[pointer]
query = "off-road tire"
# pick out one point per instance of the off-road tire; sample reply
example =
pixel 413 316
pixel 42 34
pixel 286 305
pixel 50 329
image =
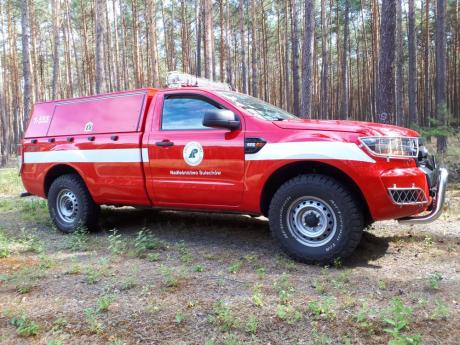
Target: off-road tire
pixel 348 215
pixel 87 213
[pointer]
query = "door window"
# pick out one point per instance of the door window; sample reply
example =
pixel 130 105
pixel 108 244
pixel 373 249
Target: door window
pixel 185 112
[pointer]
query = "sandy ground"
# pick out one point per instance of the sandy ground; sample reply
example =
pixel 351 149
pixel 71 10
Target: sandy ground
pixel 221 279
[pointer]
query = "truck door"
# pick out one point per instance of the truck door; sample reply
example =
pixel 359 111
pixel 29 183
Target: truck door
pixel 192 165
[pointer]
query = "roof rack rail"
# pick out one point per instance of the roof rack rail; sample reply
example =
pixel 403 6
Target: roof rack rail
pixel 178 79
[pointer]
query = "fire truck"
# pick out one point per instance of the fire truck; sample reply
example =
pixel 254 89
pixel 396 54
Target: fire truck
pixel 198 146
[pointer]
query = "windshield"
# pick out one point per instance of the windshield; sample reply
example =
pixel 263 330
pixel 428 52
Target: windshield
pixel 257 107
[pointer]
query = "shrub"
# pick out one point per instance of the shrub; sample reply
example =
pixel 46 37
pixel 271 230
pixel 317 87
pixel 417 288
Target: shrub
pixel 25 327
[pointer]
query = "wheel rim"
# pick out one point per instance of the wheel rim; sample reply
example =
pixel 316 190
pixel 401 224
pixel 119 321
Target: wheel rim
pixel 67 205
pixel 311 221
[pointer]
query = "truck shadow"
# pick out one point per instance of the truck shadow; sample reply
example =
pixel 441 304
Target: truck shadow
pixel 221 231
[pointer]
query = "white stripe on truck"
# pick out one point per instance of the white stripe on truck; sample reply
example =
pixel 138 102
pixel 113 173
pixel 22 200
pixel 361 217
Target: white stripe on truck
pixel 88 156
pixel 310 150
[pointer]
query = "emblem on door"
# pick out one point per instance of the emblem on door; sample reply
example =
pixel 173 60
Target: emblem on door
pixel 193 153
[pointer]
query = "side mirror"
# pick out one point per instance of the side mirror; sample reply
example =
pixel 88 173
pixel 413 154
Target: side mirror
pixel 221 118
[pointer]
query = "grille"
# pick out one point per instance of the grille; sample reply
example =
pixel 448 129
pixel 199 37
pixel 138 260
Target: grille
pixel 407 196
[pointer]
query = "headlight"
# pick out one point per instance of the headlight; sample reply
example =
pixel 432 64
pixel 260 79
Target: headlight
pixel 392 147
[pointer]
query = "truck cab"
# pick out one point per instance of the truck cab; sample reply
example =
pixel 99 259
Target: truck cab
pixel 320 183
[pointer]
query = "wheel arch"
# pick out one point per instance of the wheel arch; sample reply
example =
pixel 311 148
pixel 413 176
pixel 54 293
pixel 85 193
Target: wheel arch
pixel 56 171
pixel 291 170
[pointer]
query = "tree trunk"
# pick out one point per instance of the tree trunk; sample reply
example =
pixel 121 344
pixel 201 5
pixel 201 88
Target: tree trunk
pixel 229 68
pixel 124 58
pixel 116 47
pixel 208 68
pixel 99 44
pixel 199 24
pixel 386 82
pixel 344 111
pixel 244 80
pixel 254 48
pixel 222 42
pixel 184 37
pixel 295 57
pixel 287 85
pixel 426 65
pixel 57 34
pixel 412 66
pixel 324 64
pixel 135 46
pixel 26 60
pixel 307 61
pixel 440 40
pixel 399 117
pixel 153 42
pixel 4 132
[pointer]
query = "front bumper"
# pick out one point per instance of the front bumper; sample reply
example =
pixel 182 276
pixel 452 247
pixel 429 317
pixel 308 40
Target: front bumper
pixel 437 204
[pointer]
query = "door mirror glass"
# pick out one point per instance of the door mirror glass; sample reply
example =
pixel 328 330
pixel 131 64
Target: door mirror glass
pixel 221 118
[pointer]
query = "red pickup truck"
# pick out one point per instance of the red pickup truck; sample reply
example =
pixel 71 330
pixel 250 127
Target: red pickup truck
pixel 320 183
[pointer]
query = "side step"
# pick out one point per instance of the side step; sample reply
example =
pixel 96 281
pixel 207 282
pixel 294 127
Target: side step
pixel 24 195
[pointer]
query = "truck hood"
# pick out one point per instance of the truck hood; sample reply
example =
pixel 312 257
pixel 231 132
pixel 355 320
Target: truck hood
pixel 364 128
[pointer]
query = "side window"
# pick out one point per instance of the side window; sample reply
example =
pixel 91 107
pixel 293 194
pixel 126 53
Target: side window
pixel 185 112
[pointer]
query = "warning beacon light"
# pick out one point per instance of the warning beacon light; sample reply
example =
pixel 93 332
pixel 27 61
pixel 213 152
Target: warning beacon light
pixel 178 79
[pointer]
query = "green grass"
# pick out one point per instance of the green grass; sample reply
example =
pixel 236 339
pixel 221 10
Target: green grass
pixel 26 241
pixel 235 267
pixel 288 313
pixel 26 279
pixel 104 302
pixel 223 316
pixel 323 308
pixel 434 280
pixel 79 240
pixel 397 319
pixel 10 182
pixel 146 241
pixel 284 288
pixel 4 245
pixel 31 209
pixel 25 327
pixel 117 245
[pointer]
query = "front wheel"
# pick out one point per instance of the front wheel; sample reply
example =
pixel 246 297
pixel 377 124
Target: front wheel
pixel 70 205
pixel 316 219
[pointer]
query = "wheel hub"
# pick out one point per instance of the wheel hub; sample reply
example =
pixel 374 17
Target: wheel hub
pixel 311 221
pixel 67 205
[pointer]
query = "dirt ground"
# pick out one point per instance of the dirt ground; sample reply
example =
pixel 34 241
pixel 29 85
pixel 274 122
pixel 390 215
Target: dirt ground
pixel 194 278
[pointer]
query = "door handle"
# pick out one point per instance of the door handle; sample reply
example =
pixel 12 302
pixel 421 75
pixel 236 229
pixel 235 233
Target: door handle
pixel 164 143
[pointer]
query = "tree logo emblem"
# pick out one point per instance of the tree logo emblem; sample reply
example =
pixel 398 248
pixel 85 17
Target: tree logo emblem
pixel 193 153
pixel 89 127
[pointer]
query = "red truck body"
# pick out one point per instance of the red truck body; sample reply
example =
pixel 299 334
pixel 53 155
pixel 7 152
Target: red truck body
pixel 117 145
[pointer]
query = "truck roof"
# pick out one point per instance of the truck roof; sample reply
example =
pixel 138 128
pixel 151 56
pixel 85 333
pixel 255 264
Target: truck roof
pixel 145 89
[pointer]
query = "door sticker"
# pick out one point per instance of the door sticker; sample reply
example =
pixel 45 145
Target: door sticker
pixel 89 127
pixel 193 153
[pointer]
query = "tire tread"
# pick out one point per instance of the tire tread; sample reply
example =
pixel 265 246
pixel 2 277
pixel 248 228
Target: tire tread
pixel 354 216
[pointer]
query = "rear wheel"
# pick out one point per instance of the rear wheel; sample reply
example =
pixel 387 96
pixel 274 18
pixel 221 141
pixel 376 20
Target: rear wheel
pixel 316 219
pixel 70 205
